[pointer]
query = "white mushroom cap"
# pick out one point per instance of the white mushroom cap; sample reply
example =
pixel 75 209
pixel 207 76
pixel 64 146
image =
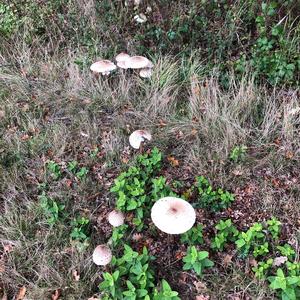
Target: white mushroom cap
pixel 173 215
pixel 121 64
pixel 137 137
pixel 116 218
pixel 102 255
pixel 138 62
pixel 103 66
pixel 122 57
pixel 146 73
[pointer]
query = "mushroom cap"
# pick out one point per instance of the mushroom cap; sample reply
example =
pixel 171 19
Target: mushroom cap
pixel 102 255
pixel 103 66
pixel 121 64
pixel 138 62
pixel 173 215
pixel 116 218
pixel 146 73
pixel 122 57
pixel 137 137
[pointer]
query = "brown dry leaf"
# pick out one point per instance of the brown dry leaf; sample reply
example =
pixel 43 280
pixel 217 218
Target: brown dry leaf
pixel 174 162
pixel 68 183
pixel 194 132
pixel 21 293
pixel 162 123
pixel 2 265
pixel 200 286
pixel 25 137
pixel 237 172
pixel 253 262
pixel 55 295
pixel 76 276
pixel 227 259
pixel 202 297
pixel 289 155
pixel 278 261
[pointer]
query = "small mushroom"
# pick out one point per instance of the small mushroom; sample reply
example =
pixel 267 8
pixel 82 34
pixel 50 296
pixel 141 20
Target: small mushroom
pixel 173 215
pixel 102 255
pixel 146 73
pixel 103 66
pixel 137 137
pixel 116 218
pixel 121 58
pixel 138 62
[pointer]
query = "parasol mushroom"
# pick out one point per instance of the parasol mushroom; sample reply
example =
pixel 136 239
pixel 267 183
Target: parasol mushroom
pixel 102 255
pixel 137 137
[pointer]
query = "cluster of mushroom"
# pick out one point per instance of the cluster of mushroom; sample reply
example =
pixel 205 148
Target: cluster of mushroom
pixel 169 214
pixel 124 61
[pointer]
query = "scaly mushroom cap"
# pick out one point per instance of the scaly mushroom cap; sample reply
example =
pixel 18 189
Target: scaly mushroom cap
pixel 137 137
pixel 122 57
pixel 138 62
pixel 173 215
pixel 116 218
pixel 103 66
pixel 102 255
pixel 146 73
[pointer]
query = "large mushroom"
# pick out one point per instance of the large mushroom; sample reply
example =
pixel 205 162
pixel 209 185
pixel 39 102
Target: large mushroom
pixel 115 218
pixel 138 62
pixel 139 136
pixel 103 66
pixel 102 255
pixel 173 215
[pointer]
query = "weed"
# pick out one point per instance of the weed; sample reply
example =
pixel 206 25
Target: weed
pixel 262 269
pixel 52 209
pixel 226 232
pixel 80 233
pixel 194 236
pixel 287 251
pixel 214 200
pixel 238 153
pixel 54 169
pixel 288 286
pixel 133 278
pixel 274 227
pixel 196 260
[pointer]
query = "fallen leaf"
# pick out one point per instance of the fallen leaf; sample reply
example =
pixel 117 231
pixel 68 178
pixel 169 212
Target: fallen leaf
pixel 21 293
pixel 179 254
pixel 278 261
pixel 174 162
pixel 227 260
pixel 68 183
pixel 25 137
pixel 76 276
pixel 194 132
pixel 55 295
pixel 253 262
pixel 237 172
pixel 289 155
pixel 162 123
pixel 200 286
pixel 202 297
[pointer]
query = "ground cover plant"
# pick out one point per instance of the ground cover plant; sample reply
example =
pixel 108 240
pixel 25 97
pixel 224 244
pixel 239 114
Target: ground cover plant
pixel 222 105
